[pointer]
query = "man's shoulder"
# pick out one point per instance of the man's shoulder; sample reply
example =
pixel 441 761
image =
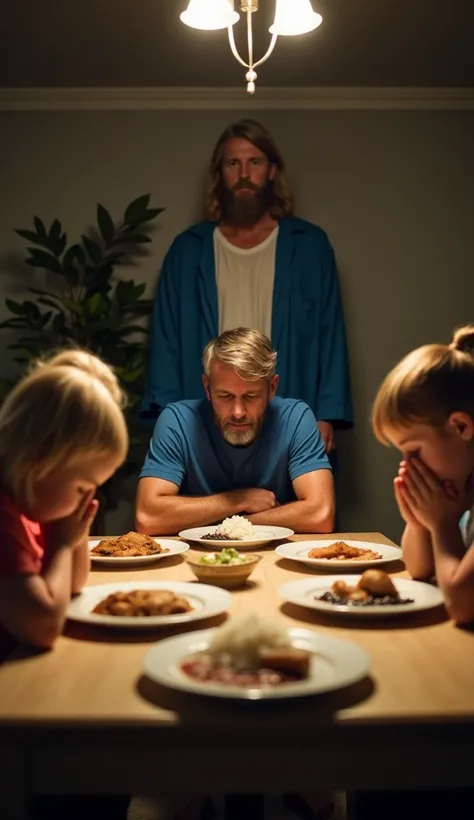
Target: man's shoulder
pixel 289 409
pixel 195 233
pixel 184 410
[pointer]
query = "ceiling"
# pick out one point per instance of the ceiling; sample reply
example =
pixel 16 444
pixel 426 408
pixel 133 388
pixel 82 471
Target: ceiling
pixel 87 43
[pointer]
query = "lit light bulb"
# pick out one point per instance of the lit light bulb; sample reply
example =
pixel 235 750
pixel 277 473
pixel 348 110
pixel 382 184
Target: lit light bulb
pixel 295 17
pixel 210 15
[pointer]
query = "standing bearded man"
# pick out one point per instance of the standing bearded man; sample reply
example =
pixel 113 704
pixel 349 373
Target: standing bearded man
pixel 251 263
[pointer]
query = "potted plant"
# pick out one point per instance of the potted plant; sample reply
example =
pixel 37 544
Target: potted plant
pixel 85 305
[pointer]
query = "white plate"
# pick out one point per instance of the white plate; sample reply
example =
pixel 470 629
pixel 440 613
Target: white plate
pixel 298 551
pixel 336 663
pixel 263 535
pixel 206 601
pixel 174 547
pixel 306 592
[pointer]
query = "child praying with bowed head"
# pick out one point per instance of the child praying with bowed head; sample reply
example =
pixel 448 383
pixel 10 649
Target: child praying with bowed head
pixel 62 435
pixel 425 408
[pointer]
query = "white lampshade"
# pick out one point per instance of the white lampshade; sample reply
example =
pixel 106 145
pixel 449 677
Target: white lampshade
pixel 210 14
pixel 295 17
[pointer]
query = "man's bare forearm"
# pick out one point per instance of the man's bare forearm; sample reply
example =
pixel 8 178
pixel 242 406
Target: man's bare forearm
pixel 300 516
pixel 418 552
pixel 168 514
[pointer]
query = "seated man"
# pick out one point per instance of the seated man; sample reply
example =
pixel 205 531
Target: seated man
pixel 238 451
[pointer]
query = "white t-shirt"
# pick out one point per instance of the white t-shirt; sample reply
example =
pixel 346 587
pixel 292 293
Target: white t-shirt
pixel 244 279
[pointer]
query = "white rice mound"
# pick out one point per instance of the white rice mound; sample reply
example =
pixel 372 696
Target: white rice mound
pixel 240 642
pixel 236 527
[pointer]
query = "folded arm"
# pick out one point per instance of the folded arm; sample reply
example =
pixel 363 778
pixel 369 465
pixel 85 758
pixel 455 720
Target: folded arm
pixel 160 510
pixel 314 509
pixel 418 552
pixel 33 607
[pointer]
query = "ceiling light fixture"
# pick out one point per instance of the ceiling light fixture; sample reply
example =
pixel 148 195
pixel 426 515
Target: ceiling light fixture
pixel 291 17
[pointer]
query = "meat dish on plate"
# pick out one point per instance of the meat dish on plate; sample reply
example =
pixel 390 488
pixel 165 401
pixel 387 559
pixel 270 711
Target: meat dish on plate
pixel 130 545
pixel 141 603
pixel 249 651
pixel 340 551
pixel 375 587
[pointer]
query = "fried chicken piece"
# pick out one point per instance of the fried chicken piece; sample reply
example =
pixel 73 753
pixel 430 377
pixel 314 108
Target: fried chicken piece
pixel 130 545
pixel 287 660
pixel 343 552
pixel 142 603
pixel 359 595
pixel 341 589
pixel 377 583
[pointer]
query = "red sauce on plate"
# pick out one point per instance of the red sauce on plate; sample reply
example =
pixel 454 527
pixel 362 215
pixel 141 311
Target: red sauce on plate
pixel 204 670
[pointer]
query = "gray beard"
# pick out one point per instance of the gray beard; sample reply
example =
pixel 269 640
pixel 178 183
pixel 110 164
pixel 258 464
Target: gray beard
pixel 239 438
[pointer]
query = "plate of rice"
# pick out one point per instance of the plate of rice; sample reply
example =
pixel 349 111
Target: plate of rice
pixel 252 658
pixel 236 531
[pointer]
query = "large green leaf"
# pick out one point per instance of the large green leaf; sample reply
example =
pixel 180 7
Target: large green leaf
pixel 45 300
pixel 40 292
pixel 31 309
pixel 105 223
pixel 41 259
pixel 31 236
pixel 57 240
pixel 94 251
pixel 15 307
pixel 96 304
pixel 40 227
pixel 45 318
pixel 75 307
pixel 150 214
pixel 74 254
pixel 129 376
pixel 134 212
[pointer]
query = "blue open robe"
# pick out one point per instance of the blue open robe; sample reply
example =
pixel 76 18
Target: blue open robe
pixel 307 321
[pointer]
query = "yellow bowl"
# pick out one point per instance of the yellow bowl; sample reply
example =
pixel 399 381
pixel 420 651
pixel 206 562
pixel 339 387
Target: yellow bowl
pixel 229 576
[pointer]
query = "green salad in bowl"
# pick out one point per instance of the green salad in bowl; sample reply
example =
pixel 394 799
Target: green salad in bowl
pixel 228 556
pixel 226 568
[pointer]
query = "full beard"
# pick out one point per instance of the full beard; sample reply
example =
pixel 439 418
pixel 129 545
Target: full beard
pixel 246 210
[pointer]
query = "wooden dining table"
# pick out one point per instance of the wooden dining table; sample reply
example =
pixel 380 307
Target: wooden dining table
pixel 83 719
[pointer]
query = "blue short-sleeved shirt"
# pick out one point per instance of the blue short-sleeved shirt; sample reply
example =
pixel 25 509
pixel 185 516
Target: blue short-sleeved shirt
pixel 188 449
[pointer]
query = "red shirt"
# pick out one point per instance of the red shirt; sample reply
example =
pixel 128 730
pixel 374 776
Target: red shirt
pixel 21 552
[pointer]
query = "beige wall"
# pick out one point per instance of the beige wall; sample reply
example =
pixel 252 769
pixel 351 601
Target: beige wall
pixel 394 190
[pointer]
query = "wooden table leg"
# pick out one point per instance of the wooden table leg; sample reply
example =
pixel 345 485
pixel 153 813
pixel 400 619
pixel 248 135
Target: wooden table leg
pixel 248 806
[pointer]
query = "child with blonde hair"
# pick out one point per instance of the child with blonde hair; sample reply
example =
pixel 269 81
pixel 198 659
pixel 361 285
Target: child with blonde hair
pixel 62 434
pixel 425 408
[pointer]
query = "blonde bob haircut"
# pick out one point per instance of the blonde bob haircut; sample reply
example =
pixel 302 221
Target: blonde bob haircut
pixel 246 351
pixel 282 200
pixel 427 386
pixel 65 409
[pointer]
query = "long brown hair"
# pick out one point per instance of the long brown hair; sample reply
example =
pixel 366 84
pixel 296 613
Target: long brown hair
pixel 428 385
pixel 282 197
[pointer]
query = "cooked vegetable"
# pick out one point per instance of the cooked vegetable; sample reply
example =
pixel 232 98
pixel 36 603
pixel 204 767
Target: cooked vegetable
pixel 228 556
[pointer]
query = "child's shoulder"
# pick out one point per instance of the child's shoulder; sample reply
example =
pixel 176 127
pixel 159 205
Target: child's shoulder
pixel 22 543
